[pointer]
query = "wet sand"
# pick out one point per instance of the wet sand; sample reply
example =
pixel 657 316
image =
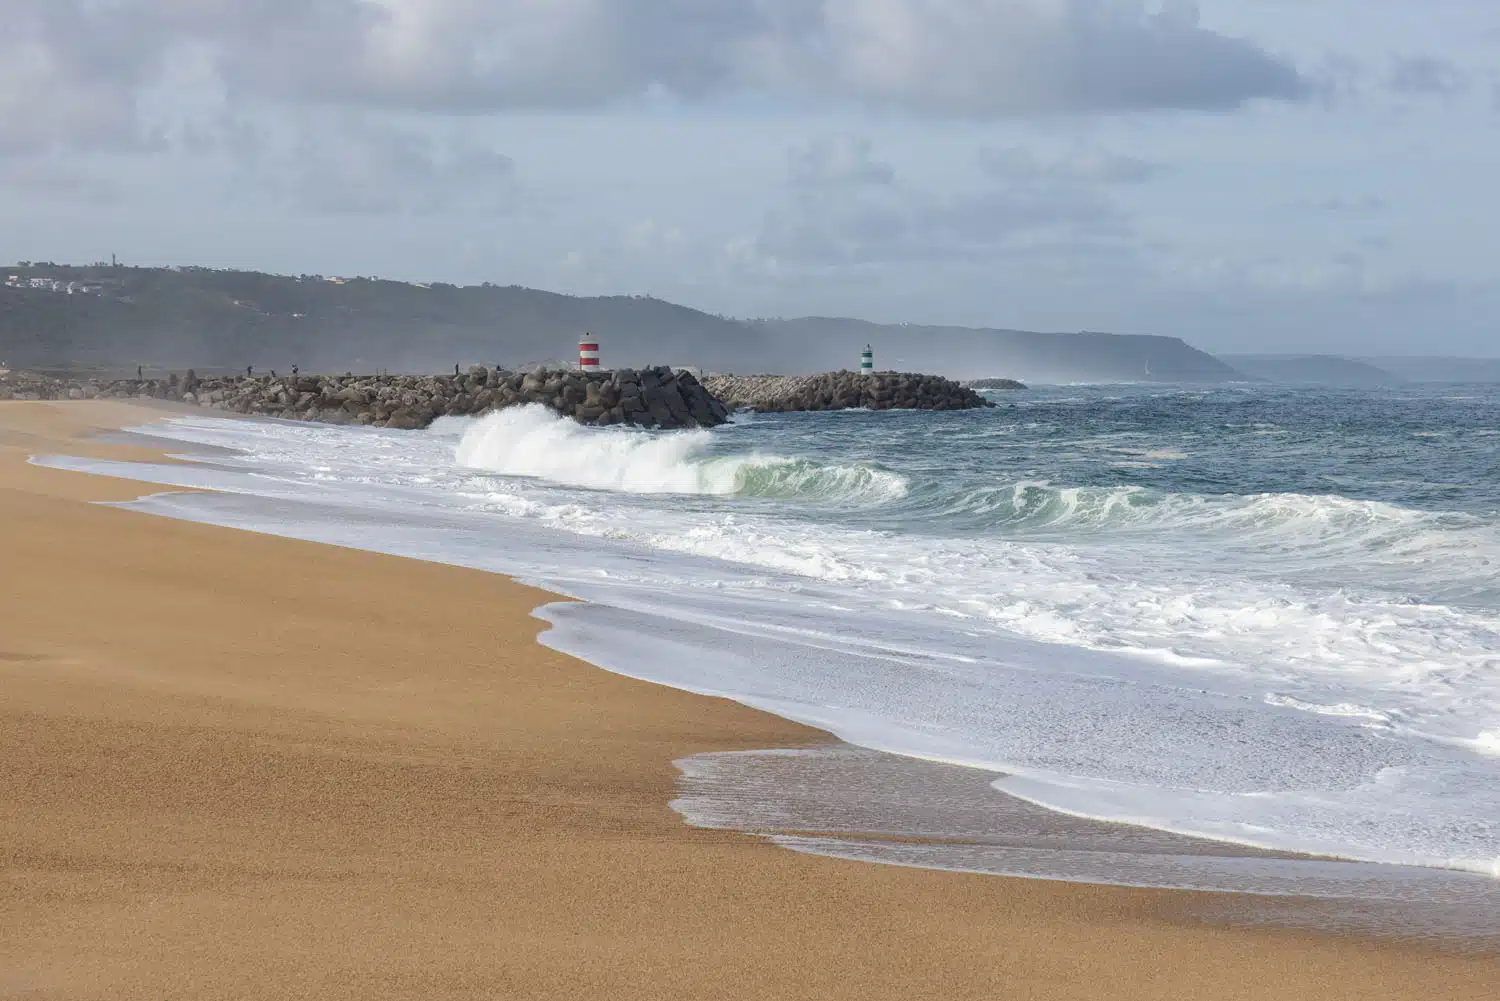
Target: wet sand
pixel 242 766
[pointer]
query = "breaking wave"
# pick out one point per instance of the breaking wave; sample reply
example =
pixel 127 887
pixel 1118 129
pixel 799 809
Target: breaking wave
pixel 1448 554
pixel 531 441
pixel 1290 640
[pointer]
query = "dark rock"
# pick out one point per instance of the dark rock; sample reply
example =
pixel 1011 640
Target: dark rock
pixel 656 397
pixel 1005 384
pixel 842 391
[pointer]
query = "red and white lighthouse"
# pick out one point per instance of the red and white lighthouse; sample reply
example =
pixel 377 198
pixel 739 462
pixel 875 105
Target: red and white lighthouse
pixel 588 353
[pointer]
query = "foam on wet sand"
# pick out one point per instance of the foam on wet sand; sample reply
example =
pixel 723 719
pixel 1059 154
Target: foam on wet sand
pixel 246 766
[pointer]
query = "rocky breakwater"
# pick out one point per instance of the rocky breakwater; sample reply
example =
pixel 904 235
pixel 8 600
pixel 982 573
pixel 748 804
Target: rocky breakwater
pixel 652 397
pixel 995 384
pixel 843 391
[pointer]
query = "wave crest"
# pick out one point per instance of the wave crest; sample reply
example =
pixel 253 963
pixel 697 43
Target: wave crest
pixel 532 441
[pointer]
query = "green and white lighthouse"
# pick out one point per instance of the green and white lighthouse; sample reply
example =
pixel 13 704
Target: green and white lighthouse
pixel 867 361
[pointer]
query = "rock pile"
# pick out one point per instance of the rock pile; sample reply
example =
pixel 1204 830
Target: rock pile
pixel 652 397
pixel 843 391
pixel 983 384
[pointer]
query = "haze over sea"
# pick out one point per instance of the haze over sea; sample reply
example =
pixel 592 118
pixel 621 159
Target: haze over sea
pixel 1258 615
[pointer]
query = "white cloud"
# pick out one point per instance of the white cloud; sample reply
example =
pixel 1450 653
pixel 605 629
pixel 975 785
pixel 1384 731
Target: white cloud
pixel 72 71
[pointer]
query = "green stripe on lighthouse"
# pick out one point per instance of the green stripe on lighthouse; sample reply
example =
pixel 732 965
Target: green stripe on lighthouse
pixel 867 361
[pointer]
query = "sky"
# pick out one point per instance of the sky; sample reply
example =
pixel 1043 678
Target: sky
pixel 1250 175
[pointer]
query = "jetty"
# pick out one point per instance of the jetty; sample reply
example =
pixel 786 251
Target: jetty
pixel 843 391
pixel 658 397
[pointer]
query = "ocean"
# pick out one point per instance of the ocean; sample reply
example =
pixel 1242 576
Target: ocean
pixel 1265 617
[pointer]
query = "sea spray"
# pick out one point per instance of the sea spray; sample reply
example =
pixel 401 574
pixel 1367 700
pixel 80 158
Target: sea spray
pixel 532 442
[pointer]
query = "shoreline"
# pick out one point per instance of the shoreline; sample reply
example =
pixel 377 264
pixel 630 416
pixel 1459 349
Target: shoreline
pixel 476 815
pixel 851 802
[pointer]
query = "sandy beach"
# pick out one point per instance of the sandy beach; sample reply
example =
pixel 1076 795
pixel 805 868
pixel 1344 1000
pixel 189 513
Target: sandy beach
pixel 243 766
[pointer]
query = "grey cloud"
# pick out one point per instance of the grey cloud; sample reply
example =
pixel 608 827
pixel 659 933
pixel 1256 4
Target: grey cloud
pixel 46 177
pixel 994 59
pixel 837 160
pixel 364 166
pixel 1426 76
pixel 945 57
pixel 961 58
pixel 1026 202
pixel 70 72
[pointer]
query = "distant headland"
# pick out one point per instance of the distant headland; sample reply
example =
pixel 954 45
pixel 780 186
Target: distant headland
pixel 107 320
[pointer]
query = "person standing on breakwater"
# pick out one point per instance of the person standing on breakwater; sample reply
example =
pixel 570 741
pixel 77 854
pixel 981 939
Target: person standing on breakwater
pixel 137 373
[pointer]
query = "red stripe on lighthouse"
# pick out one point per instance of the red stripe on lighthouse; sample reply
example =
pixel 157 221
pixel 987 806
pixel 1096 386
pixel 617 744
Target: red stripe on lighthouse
pixel 588 354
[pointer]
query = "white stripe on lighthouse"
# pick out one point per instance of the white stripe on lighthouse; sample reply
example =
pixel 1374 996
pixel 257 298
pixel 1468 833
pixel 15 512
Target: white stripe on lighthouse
pixel 588 352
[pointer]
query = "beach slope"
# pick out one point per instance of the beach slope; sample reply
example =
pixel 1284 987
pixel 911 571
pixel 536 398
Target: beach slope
pixel 242 766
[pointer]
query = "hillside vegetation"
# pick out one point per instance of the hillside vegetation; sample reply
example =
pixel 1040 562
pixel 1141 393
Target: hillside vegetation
pixel 213 320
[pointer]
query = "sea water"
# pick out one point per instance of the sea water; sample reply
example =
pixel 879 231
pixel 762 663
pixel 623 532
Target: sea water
pixel 1262 616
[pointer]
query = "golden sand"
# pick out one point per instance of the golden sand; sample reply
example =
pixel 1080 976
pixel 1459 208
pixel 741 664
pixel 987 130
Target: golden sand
pixel 237 766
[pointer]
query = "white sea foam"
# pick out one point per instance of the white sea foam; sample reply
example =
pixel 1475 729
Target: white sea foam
pixel 1239 667
pixel 1344 709
pixel 531 441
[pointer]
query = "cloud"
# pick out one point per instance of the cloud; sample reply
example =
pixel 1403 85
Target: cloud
pixel 1020 57
pixel 836 160
pixel 859 213
pixel 978 58
pixel 1425 76
pixel 47 177
pixel 73 71
pixel 69 73
pixel 368 166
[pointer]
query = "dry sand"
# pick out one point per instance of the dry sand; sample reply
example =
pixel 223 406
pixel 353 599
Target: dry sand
pixel 240 766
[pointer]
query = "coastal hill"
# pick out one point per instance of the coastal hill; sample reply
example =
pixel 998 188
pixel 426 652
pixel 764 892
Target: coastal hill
pixel 969 352
pixel 1312 370
pixel 110 318
pixel 1442 369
